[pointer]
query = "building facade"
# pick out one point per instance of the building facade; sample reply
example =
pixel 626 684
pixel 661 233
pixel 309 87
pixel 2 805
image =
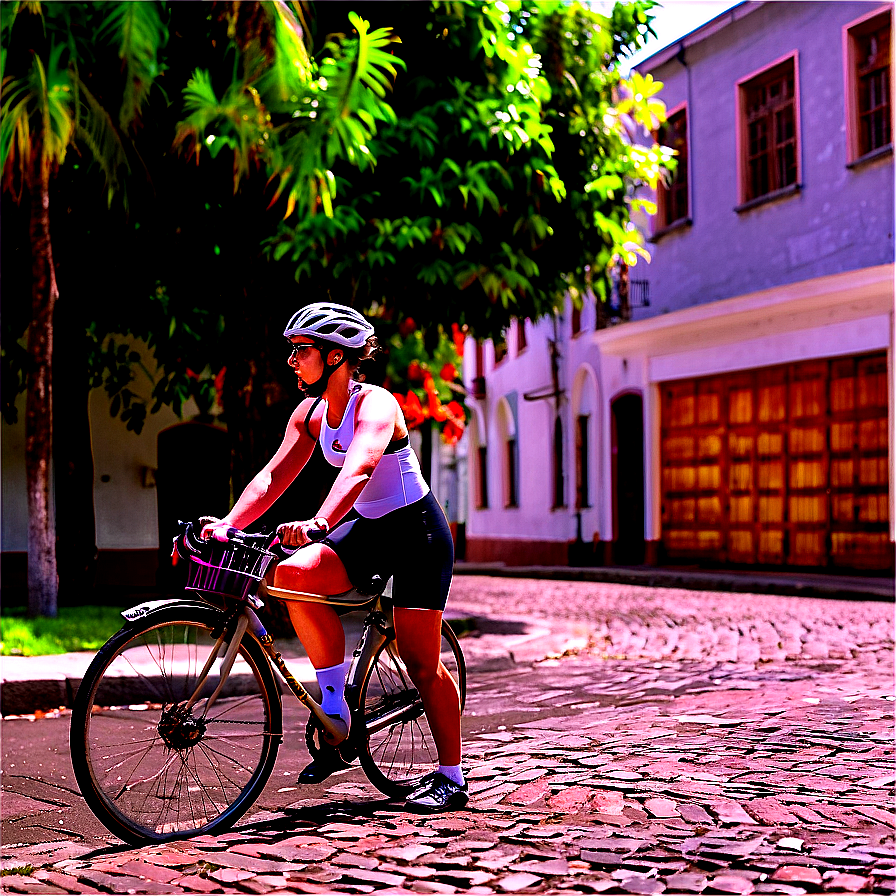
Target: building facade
pixel 737 407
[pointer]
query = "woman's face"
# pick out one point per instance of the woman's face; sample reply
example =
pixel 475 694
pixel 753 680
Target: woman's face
pixel 307 361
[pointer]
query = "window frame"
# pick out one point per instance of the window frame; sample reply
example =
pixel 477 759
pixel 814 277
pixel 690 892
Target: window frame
pixel 511 473
pixel 766 74
pixel 482 477
pixel 662 220
pixel 558 472
pixel 583 472
pixel 852 31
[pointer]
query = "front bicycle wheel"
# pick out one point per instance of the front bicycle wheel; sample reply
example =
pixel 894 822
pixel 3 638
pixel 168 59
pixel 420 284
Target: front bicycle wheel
pixel 152 769
pixel 396 747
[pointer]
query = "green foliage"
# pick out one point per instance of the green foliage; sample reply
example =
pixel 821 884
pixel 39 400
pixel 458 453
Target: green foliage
pixel 297 116
pixel 176 334
pixel 257 95
pixel 138 32
pixel 506 180
pixel 75 628
pixel 410 361
pixel 47 106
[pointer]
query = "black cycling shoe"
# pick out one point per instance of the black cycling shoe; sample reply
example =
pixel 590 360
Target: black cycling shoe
pixel 437 793
pixel 321 768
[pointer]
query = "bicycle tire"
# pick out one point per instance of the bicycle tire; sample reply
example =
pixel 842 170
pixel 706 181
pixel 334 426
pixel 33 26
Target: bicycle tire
pixel 394 757
pixel 150 775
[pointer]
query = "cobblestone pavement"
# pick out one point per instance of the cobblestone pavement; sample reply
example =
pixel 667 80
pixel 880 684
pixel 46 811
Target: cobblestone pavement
pixel 640 741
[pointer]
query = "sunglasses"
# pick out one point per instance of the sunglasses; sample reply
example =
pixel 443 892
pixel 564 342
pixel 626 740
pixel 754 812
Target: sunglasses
pixel 301 349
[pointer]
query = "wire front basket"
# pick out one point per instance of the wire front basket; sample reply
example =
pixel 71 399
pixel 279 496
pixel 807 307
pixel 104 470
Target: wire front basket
pixel 231 568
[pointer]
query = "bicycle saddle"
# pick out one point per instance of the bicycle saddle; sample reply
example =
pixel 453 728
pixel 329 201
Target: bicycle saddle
pixel 353 598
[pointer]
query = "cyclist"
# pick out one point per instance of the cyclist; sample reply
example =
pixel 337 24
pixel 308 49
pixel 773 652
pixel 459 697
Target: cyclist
pixel 397 529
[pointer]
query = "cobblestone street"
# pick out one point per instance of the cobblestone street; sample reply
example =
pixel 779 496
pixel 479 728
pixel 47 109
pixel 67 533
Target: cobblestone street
pixel 619 739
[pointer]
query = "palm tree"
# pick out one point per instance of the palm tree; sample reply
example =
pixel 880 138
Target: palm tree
pixel 46 110
pixel 282 113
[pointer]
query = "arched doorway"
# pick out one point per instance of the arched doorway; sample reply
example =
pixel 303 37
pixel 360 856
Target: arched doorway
pixel 628 479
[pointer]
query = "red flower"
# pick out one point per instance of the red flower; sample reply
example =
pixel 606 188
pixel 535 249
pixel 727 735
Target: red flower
pixel 412 410
pixel 451 432
pixel 436 411
pixel 415 372
pixel 459 338
pixel 407 326
pixel 448 373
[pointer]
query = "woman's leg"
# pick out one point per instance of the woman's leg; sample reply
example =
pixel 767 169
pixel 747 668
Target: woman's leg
pixel 418 635
pixel 318 570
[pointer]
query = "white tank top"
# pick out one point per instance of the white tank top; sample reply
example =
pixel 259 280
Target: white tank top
pixel 396 481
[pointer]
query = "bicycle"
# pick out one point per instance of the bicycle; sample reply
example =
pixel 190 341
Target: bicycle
pixel 178 720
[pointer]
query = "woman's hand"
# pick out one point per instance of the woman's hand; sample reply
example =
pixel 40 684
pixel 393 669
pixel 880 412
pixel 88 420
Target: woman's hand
pixel 212 527
pixel 296 534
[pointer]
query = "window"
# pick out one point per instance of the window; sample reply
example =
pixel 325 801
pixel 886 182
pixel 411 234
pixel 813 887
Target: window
pixel 482 477
pixel 520 335
pixel 576 318
pixel 868 85
pixel 558 498
pixel 510 475
pixel 507 435
pixel 582 485
pixel 672 196
pixel 769 148
pixel 500 350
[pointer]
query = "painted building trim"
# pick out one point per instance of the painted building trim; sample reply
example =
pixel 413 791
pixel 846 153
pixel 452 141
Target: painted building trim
pixel 691 325
pixel 850 107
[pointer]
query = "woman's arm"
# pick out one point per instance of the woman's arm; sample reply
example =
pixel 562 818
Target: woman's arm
pixel 277 474
pixel 374 428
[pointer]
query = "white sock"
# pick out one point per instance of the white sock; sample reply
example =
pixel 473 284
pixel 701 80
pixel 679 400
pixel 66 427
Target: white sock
pixel 332 687
pixel 453 773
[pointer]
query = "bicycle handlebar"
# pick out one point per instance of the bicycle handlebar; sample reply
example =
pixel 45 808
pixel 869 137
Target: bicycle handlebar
pixel 266 541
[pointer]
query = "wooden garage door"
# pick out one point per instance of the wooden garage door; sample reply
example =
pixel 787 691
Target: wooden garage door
pixel 781 466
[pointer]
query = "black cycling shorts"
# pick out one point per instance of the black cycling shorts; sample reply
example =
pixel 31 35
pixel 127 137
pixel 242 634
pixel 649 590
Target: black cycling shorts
pixel 413 545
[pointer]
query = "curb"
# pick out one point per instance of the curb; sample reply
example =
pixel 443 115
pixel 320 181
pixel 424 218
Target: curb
pixel 57 677
pixel 841 588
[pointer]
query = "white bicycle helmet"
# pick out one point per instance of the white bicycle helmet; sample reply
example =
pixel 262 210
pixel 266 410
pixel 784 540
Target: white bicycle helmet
pixel 330 322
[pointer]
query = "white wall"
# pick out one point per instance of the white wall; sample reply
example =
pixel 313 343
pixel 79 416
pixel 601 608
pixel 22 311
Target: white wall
pixel 829 316
pixel 126 509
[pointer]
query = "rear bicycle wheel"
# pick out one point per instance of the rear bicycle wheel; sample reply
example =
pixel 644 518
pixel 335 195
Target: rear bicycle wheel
pixel 152 770
pixel 396 747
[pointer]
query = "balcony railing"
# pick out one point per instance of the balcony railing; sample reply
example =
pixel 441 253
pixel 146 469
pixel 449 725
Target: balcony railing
pixel 625 295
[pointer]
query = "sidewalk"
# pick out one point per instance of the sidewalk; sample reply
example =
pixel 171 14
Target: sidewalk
pixel 30 684
pixel 796 584
pixel 690 743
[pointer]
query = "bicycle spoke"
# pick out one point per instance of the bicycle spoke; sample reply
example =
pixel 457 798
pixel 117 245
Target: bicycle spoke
pixel 399 747
pixel 161 770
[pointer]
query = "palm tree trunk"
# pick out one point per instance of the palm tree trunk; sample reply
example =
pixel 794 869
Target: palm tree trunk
pixel 43 583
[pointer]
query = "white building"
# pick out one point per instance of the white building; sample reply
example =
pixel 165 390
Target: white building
pixel 744 416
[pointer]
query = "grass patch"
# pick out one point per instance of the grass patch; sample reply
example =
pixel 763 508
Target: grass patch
pixel 75 628
pixel 24 870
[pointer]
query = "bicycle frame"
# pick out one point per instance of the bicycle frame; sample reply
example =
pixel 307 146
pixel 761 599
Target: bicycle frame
pixel 243 619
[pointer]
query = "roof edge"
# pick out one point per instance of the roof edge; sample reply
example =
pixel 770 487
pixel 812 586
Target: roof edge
pixel 706 30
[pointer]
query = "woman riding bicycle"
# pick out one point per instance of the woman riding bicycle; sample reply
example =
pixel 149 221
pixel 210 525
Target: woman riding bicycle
pixel 398 529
